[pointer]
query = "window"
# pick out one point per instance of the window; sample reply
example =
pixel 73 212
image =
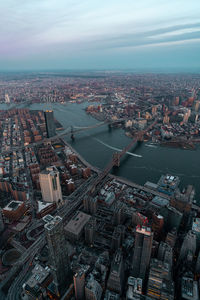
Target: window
pixel 54 182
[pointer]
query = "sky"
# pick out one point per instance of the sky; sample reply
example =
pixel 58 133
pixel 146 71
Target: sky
pixel 100 34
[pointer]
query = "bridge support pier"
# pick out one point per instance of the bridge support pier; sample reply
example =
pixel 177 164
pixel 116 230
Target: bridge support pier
pixel 116 159
pixel 140 137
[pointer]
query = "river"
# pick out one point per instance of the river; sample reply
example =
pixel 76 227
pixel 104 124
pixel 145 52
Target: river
pixel 145 162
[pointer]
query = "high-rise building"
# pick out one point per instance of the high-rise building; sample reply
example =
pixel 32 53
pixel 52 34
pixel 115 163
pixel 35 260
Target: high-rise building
pixel 58 253
pixel 174 218
pixel 50 125
pixel 75 227
pixel 171 237
pixel 142 251
pixel 50 185
pixel 196 230
pixel 176 101
pixel 189 288
pixel 154 110
pixel 7 98
pixel 197 105
pixel 134 288
pixel 165 253
pixel 93 290
pixel 118 237
pixel 158 223
pixel 118 214
pixel 1 221
pixel 79 285
pixel 197 268
pixel 90 231
pixel 90 205
pixel 116 276
pixel 160 284
pixel 109 295
pixel 189 245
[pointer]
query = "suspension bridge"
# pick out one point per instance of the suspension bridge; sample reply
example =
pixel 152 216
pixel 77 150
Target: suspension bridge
pixel 68 131
pixel 118 155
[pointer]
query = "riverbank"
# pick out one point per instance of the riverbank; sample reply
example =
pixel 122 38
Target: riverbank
pixel 147 161
pixel 86 163
pixel 178 144
pixel 124 180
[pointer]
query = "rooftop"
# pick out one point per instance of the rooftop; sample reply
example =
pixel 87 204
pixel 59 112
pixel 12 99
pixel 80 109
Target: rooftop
pixel 76 224
pixel 159 201
pixel 196 225
pixel 53 222
pixel 48 218
pixel 39 274
pixel 13 205
pixel 144 230
pixel 43 205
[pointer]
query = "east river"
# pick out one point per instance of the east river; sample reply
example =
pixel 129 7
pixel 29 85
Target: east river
pixel 145 162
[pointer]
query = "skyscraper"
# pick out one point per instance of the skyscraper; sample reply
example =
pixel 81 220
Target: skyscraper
pixel 160 284
pixel 189 245
pixel 93 290
pixel 79 285
pixel 116 276
pixel 1 221
pixel 142 251
pixel 50 185
pixel 50 125
pixel 90 231
pixel 58 254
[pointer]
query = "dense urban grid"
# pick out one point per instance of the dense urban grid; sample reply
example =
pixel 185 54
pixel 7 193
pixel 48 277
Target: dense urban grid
pixel 72 231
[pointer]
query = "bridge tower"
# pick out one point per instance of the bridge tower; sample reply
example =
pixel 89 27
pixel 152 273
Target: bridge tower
pixel 116 159
pixel 140 136
pixel 72 133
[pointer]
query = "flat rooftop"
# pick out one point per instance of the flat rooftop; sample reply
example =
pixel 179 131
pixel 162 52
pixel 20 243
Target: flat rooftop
pixel 39 274
pixel 52 223
pixel 159 201
pixel 144 230
pixel 76 224
pixel 13 205
pixel 196 225
pixel 48 218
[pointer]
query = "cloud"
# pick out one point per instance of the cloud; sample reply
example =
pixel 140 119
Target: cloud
pixel 176 33
pixel 69 28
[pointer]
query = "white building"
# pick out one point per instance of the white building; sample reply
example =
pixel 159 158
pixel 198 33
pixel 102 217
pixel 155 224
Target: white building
pixel 50 185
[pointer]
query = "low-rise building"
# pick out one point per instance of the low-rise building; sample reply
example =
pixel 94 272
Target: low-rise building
pixel 14 210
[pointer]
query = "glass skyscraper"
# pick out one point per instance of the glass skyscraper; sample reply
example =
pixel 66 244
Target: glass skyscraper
pixel 50 125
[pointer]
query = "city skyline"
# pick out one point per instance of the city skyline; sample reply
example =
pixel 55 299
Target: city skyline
pixel 40 35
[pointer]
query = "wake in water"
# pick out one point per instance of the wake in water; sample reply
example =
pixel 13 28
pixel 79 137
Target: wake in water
pixel 116 149
pixel 151 146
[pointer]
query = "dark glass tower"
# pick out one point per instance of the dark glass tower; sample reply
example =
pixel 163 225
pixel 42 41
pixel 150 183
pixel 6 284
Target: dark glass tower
pixel 50 125
pixel 58 254
pixel 142 251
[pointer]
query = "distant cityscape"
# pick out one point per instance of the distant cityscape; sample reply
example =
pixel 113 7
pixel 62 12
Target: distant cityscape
pixel 70 230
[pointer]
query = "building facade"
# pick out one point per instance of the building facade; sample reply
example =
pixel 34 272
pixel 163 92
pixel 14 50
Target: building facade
pixel 79 285
pixel 142 251
pixel 50 185
pixel 50 125
pixel 116 276
pixel 58 253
